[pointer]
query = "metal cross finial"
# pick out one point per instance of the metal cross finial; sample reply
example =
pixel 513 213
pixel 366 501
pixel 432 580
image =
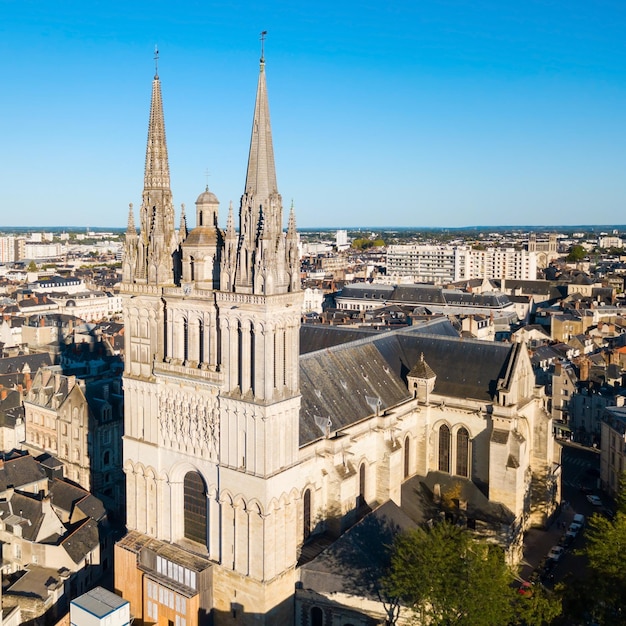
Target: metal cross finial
pixel 263 36
pixel 207 174
pixel 156 61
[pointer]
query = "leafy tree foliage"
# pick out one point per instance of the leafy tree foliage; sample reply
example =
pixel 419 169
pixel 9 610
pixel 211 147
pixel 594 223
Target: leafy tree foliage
pixel 606 542
pixel 32 267
pixel 364 243
pixel 576 253
pixel 449 578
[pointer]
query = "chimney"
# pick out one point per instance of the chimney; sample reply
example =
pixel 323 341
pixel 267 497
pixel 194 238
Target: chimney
pixel 584 369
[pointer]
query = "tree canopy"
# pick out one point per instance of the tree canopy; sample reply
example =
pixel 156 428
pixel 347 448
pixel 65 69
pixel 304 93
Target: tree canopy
pixel 606 542
pixel 449 578
pixel 576 253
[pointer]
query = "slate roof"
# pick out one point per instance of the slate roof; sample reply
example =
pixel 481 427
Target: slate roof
pixel 318 336
pixel 350 382
pixel 82 541
pixel 422 370
pixel 344 384
pixel 64 495
pixel 17 363
pixel 20 471
pixel 92 507
pixel 29 508
pixel 349 565
pixel 368 290
pixel 50 391
pixel 544 353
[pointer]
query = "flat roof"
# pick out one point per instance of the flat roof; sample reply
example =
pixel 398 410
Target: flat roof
pixel 99 602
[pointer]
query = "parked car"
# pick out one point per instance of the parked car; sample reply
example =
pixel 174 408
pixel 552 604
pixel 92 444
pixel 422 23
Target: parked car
pixel 595 500
pixel 526 589
pixel 574 528
pixel 579 518
pixel 556 552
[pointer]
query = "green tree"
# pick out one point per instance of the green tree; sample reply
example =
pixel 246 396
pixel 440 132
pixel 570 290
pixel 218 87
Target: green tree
pixel 576 253
pixel 606 542
pixel 449 578
pixel 32 267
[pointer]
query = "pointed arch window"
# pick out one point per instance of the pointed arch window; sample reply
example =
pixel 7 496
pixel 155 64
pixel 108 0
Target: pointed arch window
pixel 462 453
pixel 444 449
pixel 407 456
pixel 306 514
pixel 252 359
pixel 360 501
pixel 195 508
pixel 201 357
pixel 185 341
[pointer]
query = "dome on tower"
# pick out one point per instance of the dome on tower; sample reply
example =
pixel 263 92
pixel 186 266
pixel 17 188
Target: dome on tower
pixel 206 232
pixel 202 236
pixel 207 197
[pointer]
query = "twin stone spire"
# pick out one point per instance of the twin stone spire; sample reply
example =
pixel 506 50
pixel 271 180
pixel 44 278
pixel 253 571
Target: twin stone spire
pixel 260 259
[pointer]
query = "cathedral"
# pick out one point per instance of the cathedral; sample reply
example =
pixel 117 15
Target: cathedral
pixel 252 442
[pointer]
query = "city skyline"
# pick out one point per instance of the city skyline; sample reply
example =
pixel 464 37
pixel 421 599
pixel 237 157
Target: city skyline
pixel 450 114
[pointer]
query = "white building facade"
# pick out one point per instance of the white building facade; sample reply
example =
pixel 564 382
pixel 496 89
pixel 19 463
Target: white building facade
pixel 441 264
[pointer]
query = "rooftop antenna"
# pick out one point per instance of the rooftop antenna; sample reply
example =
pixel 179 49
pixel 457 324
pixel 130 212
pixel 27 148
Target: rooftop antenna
pixel 156 61
pixel 263 36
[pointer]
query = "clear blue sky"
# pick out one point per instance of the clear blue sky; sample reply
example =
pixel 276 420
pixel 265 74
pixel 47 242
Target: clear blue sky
pixel 399 112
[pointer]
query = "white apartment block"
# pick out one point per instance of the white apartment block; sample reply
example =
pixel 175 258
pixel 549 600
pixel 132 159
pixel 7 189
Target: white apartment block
pixel 7 249
pixel 341 239
pixel 42 250
pixel 443 264
pixel 610 242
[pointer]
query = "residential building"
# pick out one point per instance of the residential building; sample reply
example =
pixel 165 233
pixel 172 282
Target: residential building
pixel 613 449
pixel 7 249
pixel 81 425
pixel 442 264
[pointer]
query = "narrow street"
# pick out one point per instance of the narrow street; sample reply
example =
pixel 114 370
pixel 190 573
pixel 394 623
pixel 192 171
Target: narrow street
pixel 580 478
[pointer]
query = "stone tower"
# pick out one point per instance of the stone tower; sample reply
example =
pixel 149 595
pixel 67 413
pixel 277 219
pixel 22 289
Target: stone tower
pixel 211 395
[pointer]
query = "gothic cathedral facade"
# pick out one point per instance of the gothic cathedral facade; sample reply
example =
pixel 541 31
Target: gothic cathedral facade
pixel 211 388
pixel 238 449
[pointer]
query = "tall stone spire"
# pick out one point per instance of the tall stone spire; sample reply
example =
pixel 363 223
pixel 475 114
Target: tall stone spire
pixel 262 261
pixel 158 241
pixel 261 176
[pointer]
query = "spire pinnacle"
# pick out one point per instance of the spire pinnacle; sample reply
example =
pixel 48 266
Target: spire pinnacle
pixel 156 62
pixel 182 231
pixel 261 175
pixel 131 230
pixel 262 38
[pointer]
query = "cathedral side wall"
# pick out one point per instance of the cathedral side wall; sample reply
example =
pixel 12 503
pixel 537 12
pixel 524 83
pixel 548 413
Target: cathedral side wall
pixel 239 600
